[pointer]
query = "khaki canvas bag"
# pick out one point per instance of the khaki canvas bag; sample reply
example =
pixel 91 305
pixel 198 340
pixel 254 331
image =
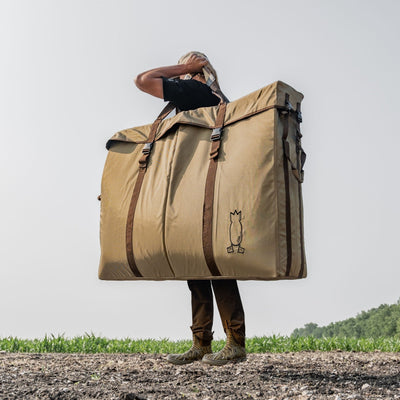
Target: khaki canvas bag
pixel 210 193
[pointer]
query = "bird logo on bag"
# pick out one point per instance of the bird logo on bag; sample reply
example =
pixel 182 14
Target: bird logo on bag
pixel 235 232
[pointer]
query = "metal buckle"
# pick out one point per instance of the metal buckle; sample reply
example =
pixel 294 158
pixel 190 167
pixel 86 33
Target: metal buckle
pixel 216 134
pixel 288 105
pixel 147 148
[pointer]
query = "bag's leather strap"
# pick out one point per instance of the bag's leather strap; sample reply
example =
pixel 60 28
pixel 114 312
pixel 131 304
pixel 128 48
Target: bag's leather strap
pixel 209 192
pixel 152 136
pixel 138 185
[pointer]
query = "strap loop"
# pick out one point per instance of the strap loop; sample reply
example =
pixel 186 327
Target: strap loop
pixel 143 161
pixel 299 175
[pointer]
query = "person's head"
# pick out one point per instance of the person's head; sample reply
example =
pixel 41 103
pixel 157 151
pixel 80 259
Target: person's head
pixel 207 70
pixel 208 76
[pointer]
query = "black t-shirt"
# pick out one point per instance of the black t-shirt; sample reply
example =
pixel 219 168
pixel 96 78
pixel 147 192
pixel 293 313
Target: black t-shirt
pixel 188 94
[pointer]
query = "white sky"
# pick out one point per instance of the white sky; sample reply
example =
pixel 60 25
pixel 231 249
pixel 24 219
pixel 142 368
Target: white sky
pixel 67 70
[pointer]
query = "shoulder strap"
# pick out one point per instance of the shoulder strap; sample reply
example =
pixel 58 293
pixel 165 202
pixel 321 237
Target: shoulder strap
pixel 138 185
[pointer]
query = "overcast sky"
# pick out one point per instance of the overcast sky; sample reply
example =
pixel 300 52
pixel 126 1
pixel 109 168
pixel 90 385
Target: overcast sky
pixel 67 70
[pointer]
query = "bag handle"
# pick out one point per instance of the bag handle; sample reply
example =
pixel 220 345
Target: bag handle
pixel 297 172
pixel 297 169
pixel 163 114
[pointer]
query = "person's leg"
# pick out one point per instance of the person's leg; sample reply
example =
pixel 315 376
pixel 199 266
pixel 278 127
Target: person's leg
pixel 202 310
pixel 230 308
pixel 202 319
pixel 232 315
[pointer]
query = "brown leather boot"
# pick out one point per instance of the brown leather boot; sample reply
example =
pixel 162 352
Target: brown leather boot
pixel 196 352
pixel 232 351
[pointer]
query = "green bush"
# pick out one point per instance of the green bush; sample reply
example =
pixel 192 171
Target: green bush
pixel 383 321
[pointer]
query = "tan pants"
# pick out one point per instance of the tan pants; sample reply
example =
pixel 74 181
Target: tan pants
pixel 229 305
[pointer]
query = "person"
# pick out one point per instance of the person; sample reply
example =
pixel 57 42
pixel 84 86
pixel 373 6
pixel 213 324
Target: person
pixel 185 85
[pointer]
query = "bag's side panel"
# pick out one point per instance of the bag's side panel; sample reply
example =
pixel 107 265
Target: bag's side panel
pixel 294 203
pixel 119 176
pixel 298 269
pixel 245 204
pixel 184 208
pixel 282 199
pixel 290 234
pixel 148 229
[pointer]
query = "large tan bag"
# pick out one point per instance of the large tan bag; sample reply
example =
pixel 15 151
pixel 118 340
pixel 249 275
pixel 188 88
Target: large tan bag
pixel 211 193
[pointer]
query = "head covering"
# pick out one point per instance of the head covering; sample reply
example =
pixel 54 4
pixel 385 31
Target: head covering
pixel 210 74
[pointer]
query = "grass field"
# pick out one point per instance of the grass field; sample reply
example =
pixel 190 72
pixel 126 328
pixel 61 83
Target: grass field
pixel 272 344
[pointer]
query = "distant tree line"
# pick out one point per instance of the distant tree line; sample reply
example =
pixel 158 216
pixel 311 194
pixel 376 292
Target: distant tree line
pixel 377 322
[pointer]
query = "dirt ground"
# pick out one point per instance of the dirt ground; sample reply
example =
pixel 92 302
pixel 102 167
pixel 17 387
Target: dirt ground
pixel 291 376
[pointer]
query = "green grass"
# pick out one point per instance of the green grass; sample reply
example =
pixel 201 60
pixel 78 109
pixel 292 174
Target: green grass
pixel 272 344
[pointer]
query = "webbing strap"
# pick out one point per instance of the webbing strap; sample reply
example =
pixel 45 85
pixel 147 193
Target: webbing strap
pixel 138 185
pixel 287 192
pixel 208 204
pixel 129 223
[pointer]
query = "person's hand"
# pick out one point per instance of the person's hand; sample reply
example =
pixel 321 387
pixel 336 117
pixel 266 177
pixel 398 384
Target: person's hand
pixel 195 64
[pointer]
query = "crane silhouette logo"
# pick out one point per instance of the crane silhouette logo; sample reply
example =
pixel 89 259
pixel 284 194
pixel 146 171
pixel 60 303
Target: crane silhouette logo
pixel 235 232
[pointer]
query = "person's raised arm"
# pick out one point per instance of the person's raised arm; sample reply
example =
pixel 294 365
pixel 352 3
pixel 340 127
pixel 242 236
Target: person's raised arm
pixel 151 81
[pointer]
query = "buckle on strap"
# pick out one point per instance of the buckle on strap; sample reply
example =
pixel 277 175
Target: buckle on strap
pixel 216 134
pixel 147 148
pixel 288 105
